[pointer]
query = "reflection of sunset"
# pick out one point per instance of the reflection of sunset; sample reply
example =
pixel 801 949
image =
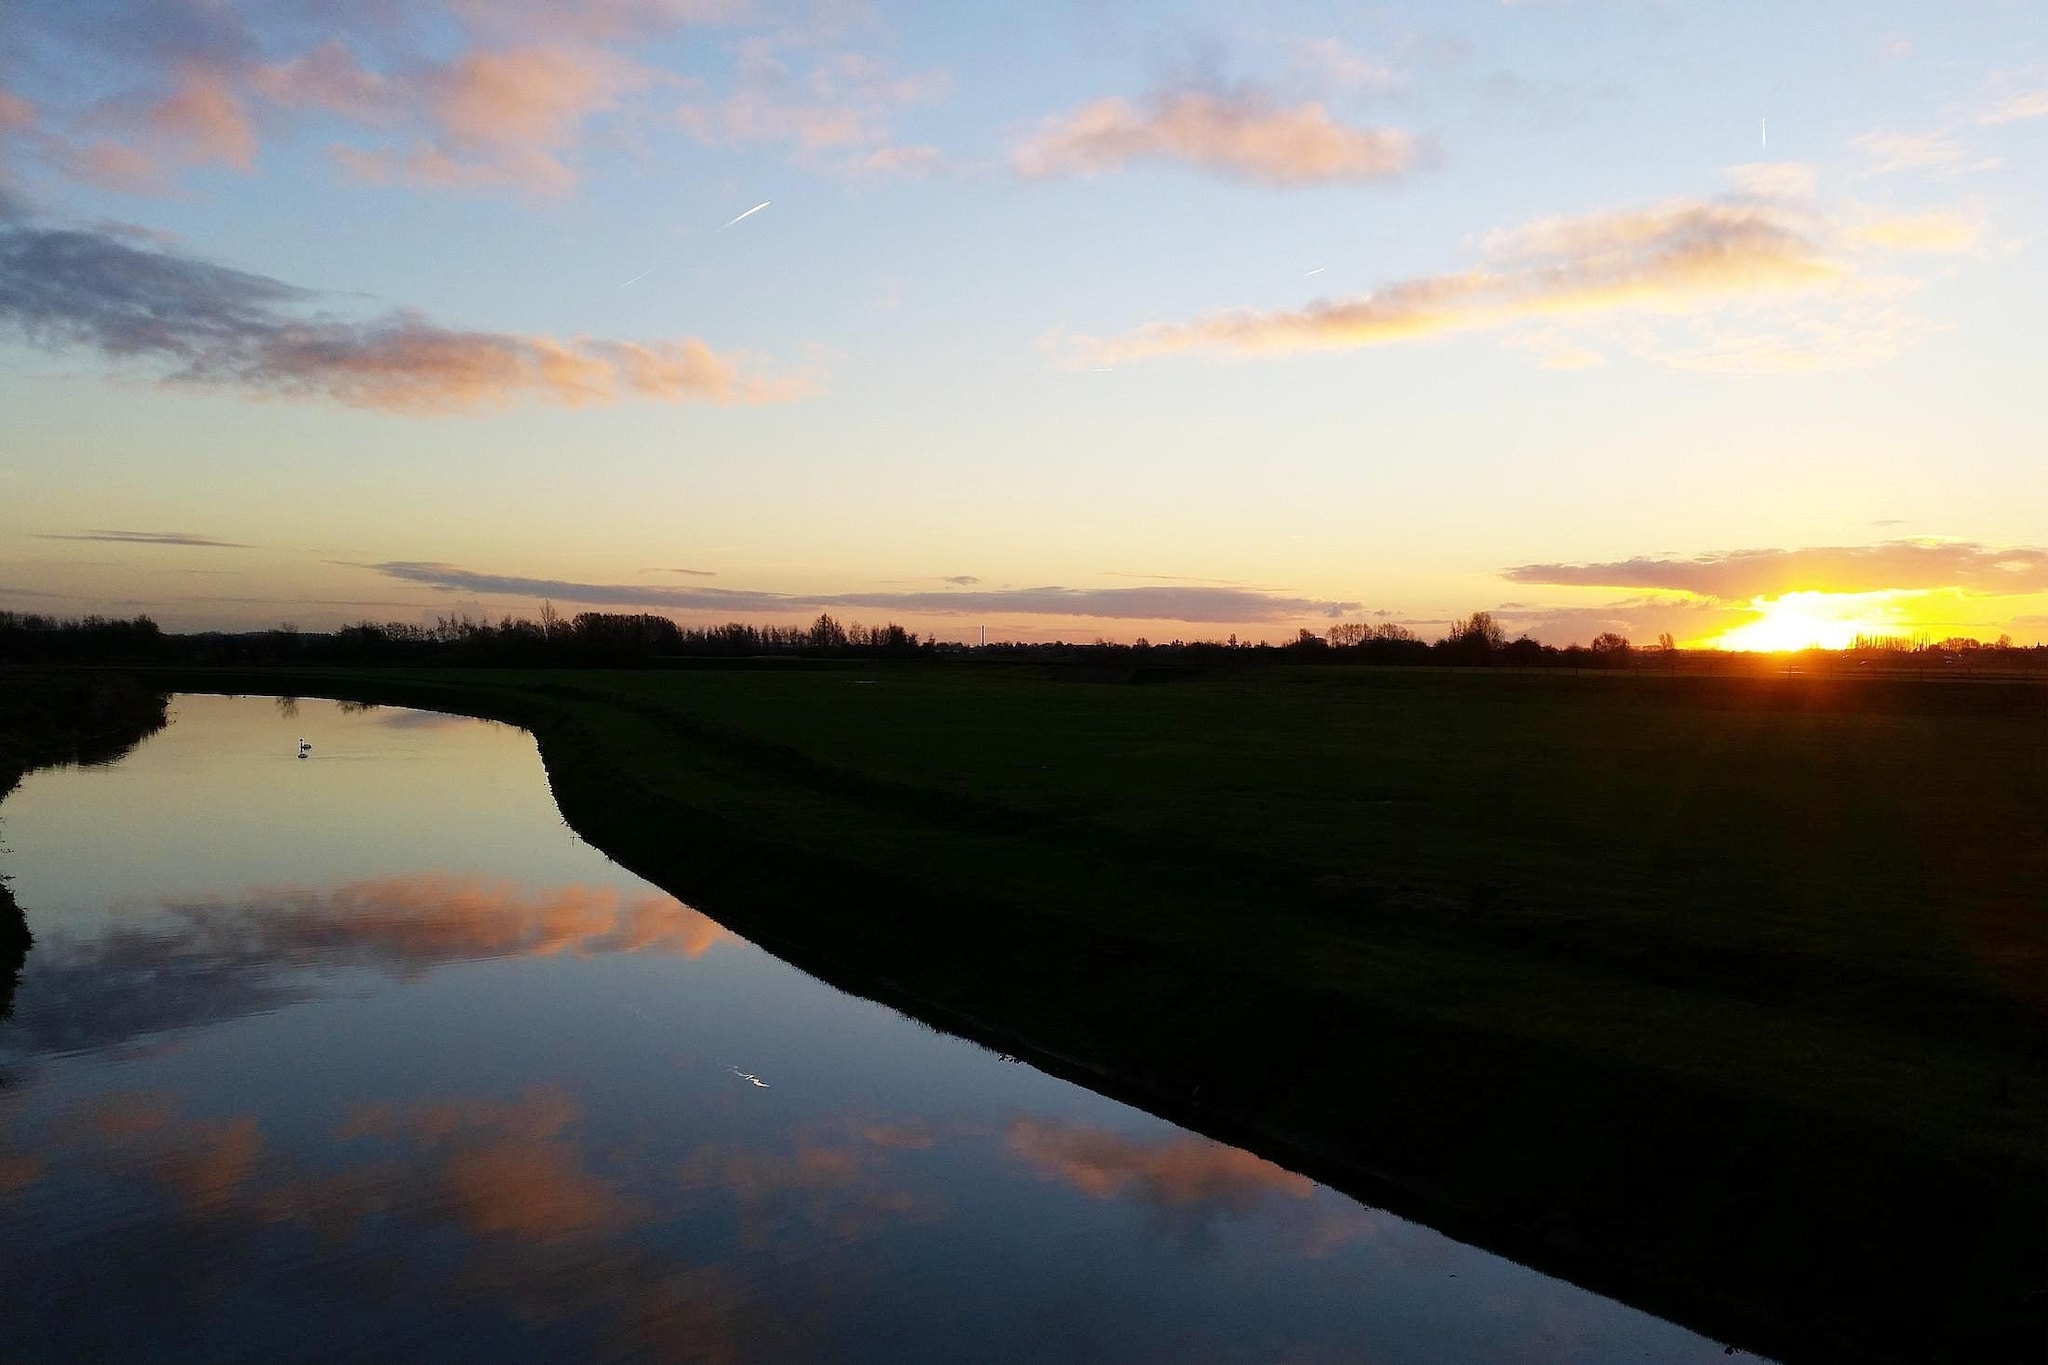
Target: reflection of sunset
pixel 504 1169
pixel 840 1190
pixel 542 1235
pixel 1179 1171
pixel 419 919
pixel 16 1172
pixel 1823 620
pixel 1186 1183
pixel 226 957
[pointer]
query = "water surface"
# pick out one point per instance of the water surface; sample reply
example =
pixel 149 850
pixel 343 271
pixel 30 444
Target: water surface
pixel 367 1056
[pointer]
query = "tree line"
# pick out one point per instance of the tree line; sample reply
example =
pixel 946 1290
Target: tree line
pixel 591 638
pixel 623 640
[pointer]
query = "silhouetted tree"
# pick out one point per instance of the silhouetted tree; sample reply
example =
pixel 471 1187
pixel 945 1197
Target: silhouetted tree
pixel 1345 635
pixel 827 633
pixel 1475 640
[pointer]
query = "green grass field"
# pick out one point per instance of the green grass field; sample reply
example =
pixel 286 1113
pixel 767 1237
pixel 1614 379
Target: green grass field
pixel 1722 995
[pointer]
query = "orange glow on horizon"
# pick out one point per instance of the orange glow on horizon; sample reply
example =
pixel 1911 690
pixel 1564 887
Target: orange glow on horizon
pixel 1819 620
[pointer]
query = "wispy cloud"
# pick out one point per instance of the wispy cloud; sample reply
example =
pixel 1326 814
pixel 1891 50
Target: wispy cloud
pixel 1328 63
pixel 152 538
pixel 1934 151
pixel 1177 578
pixel 1745 574
pixel 328 78
pixel 1190 604
pixel 1242 134
pixel 214 326
pixel 2014 97
pixel 1954 144
pixel 1770 240
pixel 837 116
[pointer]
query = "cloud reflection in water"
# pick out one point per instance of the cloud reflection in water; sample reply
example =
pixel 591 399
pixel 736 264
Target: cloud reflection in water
pixel 209 960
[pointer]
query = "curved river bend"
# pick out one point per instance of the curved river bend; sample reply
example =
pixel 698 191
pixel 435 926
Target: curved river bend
pixel 366 1056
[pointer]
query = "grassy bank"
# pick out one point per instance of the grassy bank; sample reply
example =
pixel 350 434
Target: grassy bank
pixel 1722 995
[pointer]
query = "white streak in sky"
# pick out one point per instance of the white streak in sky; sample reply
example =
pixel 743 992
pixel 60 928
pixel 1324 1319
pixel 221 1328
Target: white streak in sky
pixel 641 276
pixel 748 214
pixel 1317 271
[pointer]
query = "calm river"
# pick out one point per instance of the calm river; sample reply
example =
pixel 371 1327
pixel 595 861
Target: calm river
pixel 366 1056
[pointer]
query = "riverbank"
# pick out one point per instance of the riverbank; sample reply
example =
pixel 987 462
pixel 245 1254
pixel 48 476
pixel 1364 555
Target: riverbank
pixel 48 718
pixel 1711 994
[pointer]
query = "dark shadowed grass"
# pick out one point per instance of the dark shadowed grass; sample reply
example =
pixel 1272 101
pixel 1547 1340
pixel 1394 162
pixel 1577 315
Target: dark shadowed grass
pixel 1723 995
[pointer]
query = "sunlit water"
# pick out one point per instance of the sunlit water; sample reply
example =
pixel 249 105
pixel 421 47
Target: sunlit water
pixel 366 1056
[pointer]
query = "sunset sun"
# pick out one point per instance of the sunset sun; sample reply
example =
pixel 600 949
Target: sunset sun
pixel 1818 620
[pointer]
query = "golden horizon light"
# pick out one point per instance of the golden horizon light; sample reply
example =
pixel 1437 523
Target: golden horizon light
pixel 1815 619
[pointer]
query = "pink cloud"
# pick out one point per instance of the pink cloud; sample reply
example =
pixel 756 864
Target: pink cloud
pixel 487 119
pixel 1243 136
pixel 203 121
pixel 111 166
pixel 518 93
pixel 136 144
pixel 524 85
pixel 1768 243
pixel 408 365
pixel 530 97
pixel 15 113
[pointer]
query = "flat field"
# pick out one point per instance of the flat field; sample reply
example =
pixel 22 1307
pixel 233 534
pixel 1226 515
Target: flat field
pixel 1724 995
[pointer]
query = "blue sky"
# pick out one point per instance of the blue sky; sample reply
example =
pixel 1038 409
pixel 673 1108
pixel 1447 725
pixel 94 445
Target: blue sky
pixel 1284 314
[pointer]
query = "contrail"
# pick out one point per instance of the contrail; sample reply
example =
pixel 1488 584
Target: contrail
pixel 642 275
pixel 748 214
pixel 1317 271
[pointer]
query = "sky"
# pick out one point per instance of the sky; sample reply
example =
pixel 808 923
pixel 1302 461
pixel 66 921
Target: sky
pixel 1072 320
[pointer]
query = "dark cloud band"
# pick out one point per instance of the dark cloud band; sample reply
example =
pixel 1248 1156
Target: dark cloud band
pixel 1192 604
pixel 152 538
pixel 205 324
pixel 1743 574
